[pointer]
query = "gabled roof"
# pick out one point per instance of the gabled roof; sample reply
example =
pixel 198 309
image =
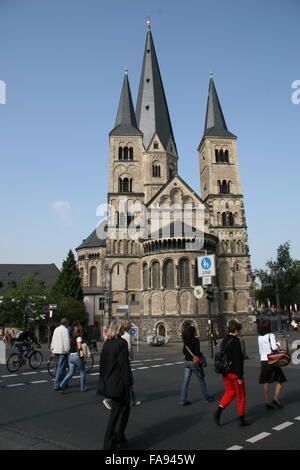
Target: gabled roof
pixel 92 241
pixel 12 274
pixel 215 124
pixel 152 110
pixel 125 121
pixel 169 182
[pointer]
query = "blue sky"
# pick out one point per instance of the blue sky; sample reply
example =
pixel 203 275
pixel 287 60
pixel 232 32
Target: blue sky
pixel 63 63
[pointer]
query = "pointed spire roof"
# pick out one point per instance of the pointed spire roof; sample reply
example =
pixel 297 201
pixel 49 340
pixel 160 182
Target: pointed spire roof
pixel 215 124
pixel 125 121
pixel 152 110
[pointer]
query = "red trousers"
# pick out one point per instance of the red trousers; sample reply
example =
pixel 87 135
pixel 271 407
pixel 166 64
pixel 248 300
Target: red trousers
pixel 233 388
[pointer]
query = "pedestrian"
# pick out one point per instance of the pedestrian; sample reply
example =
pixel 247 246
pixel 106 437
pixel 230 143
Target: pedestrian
pixel 269 373
pixel 234 379
pixel 127 337
pixel 75 360
pixel 60 347
pixel 116 382
pixel 191 347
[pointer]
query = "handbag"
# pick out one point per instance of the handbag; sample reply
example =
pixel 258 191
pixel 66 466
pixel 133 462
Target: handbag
pixel 278 358
pixel 199 362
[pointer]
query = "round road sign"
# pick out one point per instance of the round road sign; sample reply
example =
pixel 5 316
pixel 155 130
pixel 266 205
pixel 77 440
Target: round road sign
pixel 198 292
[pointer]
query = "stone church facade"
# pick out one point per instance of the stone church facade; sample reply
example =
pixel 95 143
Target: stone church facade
pixel 145 254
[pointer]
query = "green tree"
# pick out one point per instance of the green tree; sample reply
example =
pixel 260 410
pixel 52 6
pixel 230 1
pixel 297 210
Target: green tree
pixel 283 273
pixel 23 304
pixel 68 283
pixel 72 309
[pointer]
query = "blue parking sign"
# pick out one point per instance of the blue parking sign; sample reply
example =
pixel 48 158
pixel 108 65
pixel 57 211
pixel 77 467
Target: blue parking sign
pixel 133 332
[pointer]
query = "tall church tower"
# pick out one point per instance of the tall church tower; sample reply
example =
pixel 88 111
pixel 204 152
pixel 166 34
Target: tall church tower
pixel 221 190
pixel 153 119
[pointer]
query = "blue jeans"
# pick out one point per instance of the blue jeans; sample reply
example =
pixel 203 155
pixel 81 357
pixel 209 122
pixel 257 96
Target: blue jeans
pixel 74 361
pixel 62 362
pixel 189 368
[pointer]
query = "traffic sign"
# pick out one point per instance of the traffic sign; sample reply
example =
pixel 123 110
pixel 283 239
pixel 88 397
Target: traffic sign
pixel 206 265
pixel 124 307
pixel 133 331
pixel 52 306
pixel 198 292
pixel 206 280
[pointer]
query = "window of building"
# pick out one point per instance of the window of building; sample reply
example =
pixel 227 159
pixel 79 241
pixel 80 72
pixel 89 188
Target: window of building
pixel 101 304
pixel 93 276
pixel 155 145
pixel 184 273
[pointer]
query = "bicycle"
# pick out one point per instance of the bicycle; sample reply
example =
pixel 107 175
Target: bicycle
pixel 52 365
pixel 19 359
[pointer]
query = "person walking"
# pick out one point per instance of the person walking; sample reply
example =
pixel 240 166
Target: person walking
pixel 191 347
pixel 234 379
pixel 116 382
pixel 60 347
pixel 269 373
pixel 75 360
pixel 126 335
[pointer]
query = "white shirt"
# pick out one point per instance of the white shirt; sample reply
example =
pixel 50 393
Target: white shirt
pixel 265 347
pixel 127 336
pixel 60 343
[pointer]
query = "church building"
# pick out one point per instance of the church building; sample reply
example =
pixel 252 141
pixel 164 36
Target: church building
pixel 142 262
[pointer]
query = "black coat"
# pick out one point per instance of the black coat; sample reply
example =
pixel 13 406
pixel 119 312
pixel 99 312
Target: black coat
pixel 194 345
pixel 234 355
pixel 115 376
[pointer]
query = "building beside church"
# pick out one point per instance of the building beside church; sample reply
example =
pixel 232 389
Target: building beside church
pixel 145 254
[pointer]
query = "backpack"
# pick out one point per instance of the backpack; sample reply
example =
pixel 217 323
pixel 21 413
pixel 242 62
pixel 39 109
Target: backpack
pixel 221 363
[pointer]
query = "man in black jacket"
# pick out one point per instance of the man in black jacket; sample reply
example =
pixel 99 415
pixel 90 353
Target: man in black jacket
pixel 234 378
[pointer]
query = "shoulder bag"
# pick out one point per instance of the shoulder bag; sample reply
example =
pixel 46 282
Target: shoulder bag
pixel 278 358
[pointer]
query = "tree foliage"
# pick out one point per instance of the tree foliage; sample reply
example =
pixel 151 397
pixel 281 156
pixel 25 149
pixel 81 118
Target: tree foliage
pixel 284 273
pixel 68 283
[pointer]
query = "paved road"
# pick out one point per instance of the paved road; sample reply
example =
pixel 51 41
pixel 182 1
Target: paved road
pixel 33 416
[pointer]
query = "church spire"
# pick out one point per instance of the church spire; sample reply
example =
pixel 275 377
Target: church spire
pixel 215 124
pixel 125 121
pixel 152 110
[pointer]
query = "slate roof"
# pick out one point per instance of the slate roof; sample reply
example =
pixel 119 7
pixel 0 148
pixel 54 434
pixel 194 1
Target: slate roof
pixel 11 274
pixel 152 110
pixel 215 124
pixel 125 121
pixel 92 241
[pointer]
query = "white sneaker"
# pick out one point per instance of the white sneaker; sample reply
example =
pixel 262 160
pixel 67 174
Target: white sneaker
pixel 137 403
pixel 106 403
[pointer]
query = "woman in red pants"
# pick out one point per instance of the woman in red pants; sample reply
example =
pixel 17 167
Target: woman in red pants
pixel 234 379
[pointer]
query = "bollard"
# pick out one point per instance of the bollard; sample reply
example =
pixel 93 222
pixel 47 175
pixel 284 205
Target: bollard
pixel 2 352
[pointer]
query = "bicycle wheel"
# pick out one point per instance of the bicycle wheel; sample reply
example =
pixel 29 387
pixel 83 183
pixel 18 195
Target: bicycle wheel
pixel 52 365
pixel 35 359
pixel 13 362
pixel 89 363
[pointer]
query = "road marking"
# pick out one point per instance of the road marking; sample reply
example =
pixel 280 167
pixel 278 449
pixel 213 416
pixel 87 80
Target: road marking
pixel 169 364
pixel 28 373
pixel 95 373
pixel 157 365
pixel 235 448
pixel 179 362
pixel 15 385
pixel 258 437
pixel 145 367
pixel 282 426
pixel 39 381
pixel 297 418
pixel 10 375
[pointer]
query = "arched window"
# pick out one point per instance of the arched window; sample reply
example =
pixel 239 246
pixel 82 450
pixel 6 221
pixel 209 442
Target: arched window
pixel 125 153
pixel 168 274
pixel 224 219
pixel 230 219
pixel 221 153
pixel 156 171
pixel 120 153
pixel 224 187
pixel 131 153
pixel 184 273
pixel 226 156
pixel 155 145
pixel 93 276
pixel 155 271
pixel 125 185
pixel 217 156
pixel 145 276
pixel 161 329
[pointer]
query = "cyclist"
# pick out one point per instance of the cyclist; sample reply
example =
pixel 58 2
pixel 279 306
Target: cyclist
pixel 26 338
